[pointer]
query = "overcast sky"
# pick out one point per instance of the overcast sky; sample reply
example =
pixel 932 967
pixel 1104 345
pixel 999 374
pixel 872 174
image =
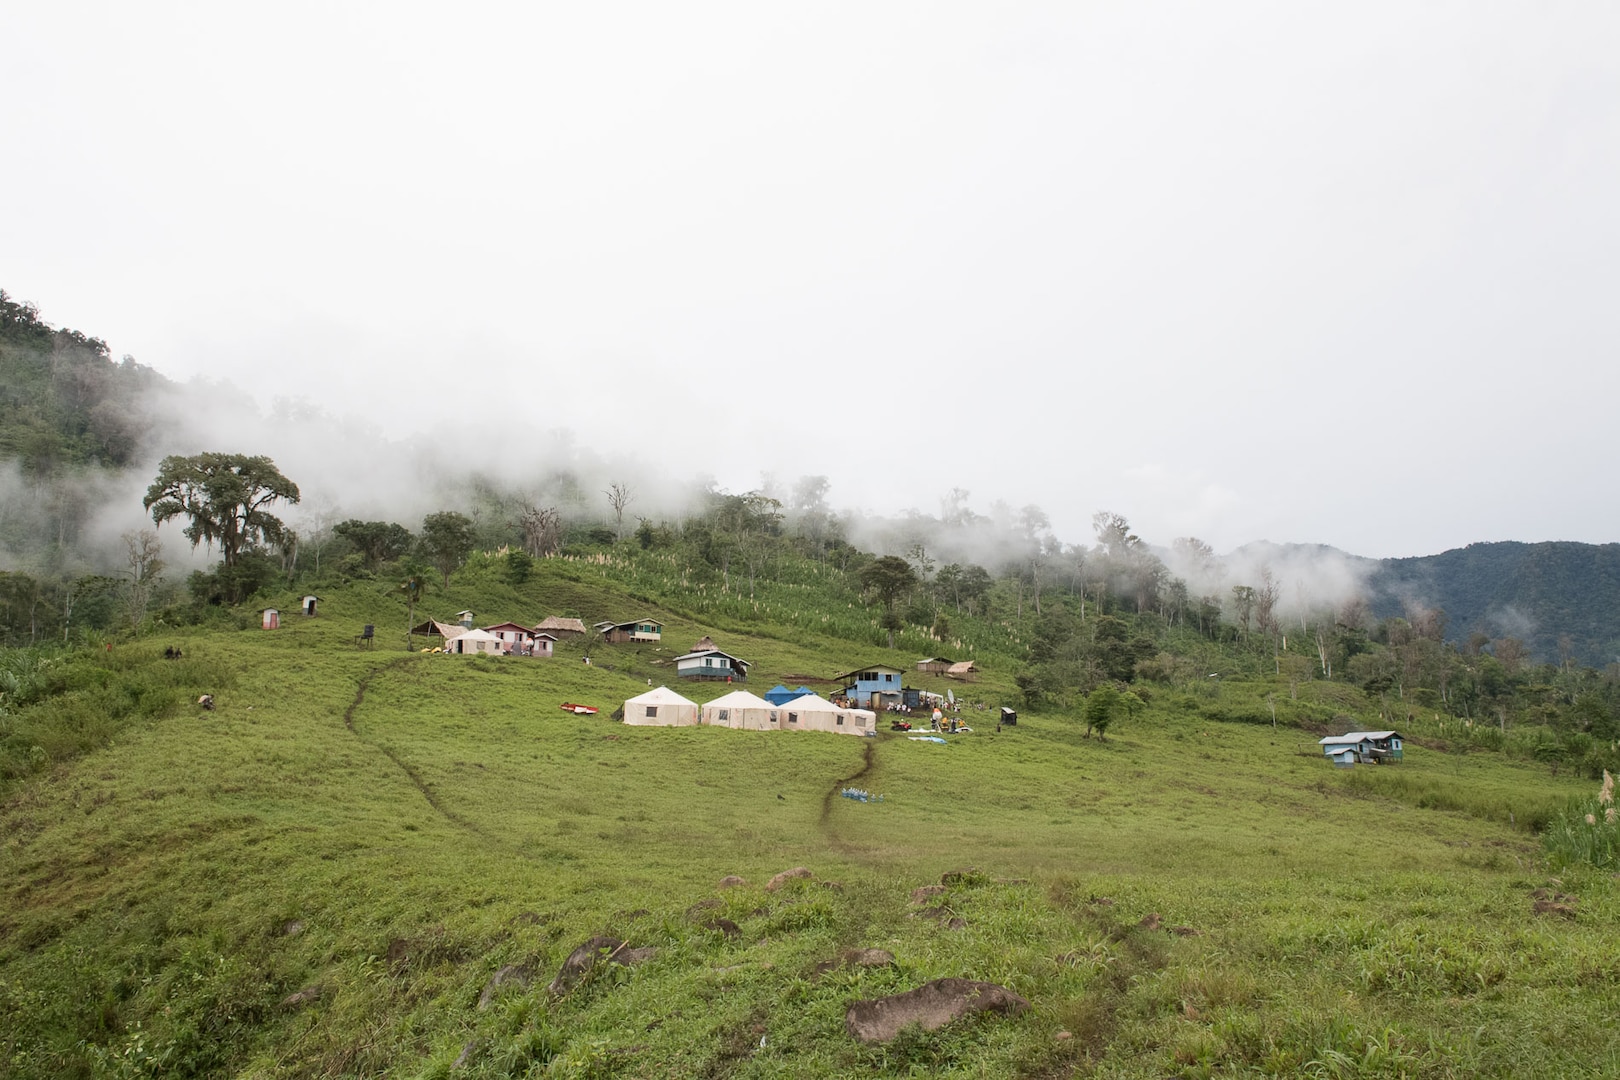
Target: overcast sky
pixel 1337 273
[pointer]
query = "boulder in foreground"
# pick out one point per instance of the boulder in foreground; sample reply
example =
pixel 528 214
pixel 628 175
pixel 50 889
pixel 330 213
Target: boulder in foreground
pixel 930 1006
pixel 587 956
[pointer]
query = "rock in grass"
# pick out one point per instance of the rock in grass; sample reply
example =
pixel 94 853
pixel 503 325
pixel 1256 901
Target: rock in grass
pixel 930 1006
pixel 924 893
pixel 723 926
pixel 632 957
pixel 1553 907
pixel 786 876
pixel 857 958
pixel 303 997
pixel 732 881
pixel 867 958
pixel 1150 921
pixel 468 1053
pixel 511 975
pixel 587 956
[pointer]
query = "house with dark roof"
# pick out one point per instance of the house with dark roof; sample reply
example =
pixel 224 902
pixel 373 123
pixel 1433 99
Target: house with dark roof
pixel 711 664
pixel 637 630
pixel 1363 747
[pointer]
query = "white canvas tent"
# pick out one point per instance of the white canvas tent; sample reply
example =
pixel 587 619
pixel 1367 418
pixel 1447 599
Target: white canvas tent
pixel 662 707
pixel 740 709
pixel 815 713
pixel 473 641
pixel 864 722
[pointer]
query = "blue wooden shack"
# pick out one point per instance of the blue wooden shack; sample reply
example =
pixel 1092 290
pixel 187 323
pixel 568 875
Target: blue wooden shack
pixel 1363 747
pixel 872 687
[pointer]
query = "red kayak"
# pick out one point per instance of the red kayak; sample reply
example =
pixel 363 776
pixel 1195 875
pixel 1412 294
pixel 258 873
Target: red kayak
pixel 580 710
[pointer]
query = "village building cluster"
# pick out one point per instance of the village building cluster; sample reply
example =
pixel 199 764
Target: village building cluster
pixel 852 709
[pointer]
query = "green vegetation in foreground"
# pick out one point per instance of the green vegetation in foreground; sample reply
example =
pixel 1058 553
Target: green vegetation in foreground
pixel 384 831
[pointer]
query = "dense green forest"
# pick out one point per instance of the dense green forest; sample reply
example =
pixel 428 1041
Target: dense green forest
pixel 1559 598
pixel 64 403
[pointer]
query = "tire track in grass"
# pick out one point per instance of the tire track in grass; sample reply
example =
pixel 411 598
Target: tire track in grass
pixel 414 776
pixel 869 756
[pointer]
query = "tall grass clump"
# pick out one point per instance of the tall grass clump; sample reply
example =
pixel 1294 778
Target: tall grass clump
pixel 1587 832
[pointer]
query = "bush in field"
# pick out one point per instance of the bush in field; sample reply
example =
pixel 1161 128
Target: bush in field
pixel 1588 831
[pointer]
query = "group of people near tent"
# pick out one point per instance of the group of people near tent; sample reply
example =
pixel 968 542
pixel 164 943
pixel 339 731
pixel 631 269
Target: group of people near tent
pixel 740 709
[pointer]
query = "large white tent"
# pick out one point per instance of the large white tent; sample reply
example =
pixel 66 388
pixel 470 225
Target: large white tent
pixel 743 710
pixel 473 641
pixel 662 707
pixel 815 713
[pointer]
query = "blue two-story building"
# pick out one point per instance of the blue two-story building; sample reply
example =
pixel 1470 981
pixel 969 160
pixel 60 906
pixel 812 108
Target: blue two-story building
pixel 873 687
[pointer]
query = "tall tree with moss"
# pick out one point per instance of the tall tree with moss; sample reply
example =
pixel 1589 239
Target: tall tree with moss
pixel 225 497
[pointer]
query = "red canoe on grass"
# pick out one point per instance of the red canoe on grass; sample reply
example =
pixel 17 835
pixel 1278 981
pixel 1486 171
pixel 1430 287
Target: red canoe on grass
pixel 580 710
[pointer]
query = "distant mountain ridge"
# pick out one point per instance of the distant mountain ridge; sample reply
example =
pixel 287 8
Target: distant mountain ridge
pixel 1539 593
pixel 1558 597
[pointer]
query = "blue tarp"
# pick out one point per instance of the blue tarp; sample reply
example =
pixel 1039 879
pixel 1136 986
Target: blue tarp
pixel 780 695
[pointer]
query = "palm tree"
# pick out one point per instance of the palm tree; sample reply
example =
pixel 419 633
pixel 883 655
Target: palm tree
pixel 413 586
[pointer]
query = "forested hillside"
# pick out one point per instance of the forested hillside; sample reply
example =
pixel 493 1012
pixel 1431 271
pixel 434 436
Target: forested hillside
pixel 63 401
pixel 71 419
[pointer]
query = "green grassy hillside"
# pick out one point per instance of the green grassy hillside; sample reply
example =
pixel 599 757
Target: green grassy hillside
pixel 323 875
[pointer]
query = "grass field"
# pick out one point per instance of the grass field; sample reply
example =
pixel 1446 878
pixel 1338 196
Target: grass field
pixel 376 834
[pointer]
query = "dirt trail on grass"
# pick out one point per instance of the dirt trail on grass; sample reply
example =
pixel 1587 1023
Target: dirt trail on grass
pixel 869 757
pixel 404 766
